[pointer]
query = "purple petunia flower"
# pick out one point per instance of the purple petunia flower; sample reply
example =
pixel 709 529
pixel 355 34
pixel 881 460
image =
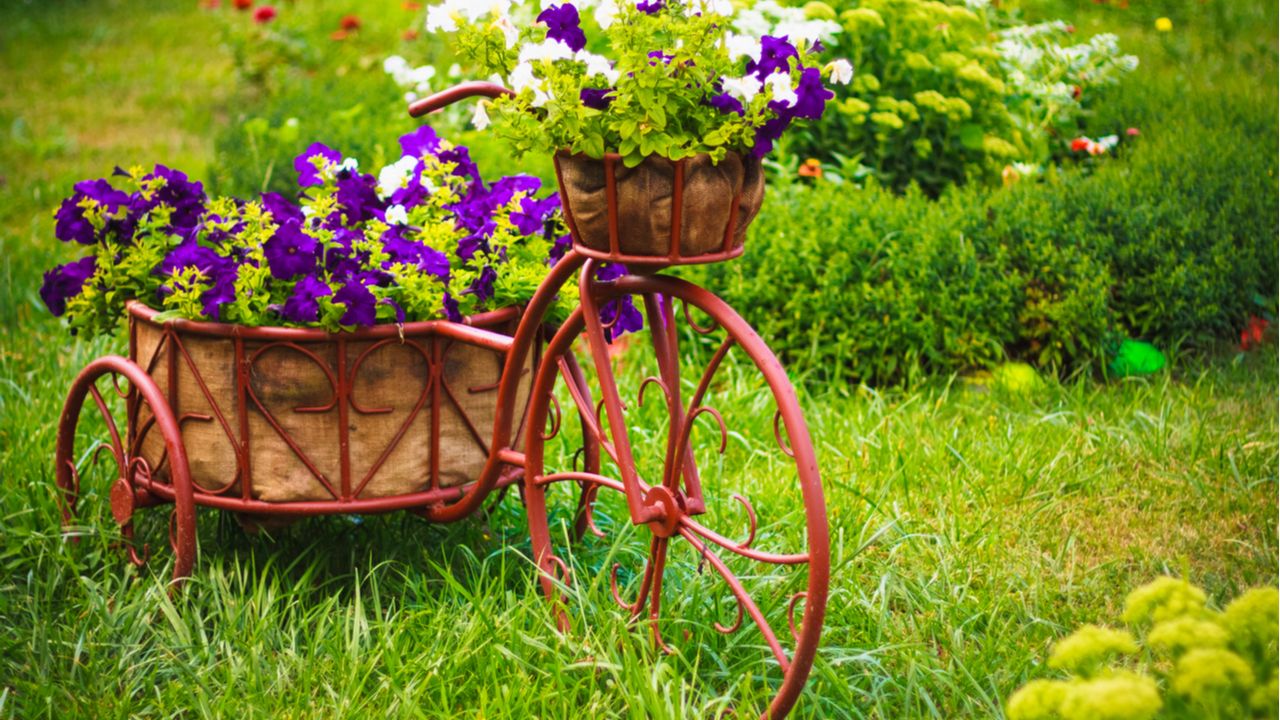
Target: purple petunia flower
pixel 362 307
pixel 532 214
pixel 358 196
pixel 817 48
pixel 410 252
pixel 596 98
pixel 451 309
pixel 563 244
pixel 222 292
pixel 186 198
pixel 191 254
pixel 482 286
pixel 290 252
pixel 725 103
pixel 414 193
pixel 422 141
pixel 659 55
pixel 304 305
pixel 775 54
pixel 308 175
pixel 280 208
pixel 71 224
pixel 399 310
pixel 563 24
pixel 768 134
pixel 465 168
pixel 811 96
pixel 650 7
pixel 65 282
pixel 503 189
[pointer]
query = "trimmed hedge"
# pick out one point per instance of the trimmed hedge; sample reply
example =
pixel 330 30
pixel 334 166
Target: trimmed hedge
pixel 1175 243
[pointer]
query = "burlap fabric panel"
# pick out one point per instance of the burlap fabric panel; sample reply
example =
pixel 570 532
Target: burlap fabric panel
pixel 645 194
pixel 391 380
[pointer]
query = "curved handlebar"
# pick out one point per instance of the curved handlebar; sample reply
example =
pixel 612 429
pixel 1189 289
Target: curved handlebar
pixel 456 93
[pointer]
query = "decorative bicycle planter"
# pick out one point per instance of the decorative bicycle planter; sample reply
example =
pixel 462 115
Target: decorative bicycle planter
pixel 276 424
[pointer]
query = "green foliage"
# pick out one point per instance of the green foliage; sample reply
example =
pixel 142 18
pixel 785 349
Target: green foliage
pixel 1186 651
pixel 925 105
pixel 1174 242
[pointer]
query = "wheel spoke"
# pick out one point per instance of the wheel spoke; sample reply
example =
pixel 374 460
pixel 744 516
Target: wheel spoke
pixel 741 594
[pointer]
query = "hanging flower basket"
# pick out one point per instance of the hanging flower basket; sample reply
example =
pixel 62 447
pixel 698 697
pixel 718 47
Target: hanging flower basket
pixel 660 208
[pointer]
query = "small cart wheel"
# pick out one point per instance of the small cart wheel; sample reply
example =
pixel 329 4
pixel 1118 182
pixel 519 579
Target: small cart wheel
pixel 131 469
pixel 685 471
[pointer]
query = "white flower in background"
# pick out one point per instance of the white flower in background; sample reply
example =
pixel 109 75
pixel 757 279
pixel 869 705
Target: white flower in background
pixel 714 7
pixel 739 45
pixel 396 215
pixel 522 77
pixel 744 88
pixel 351 164
pixel 977 5
pixel 1053 27
pixel 496 79
pixel 541 98
pixel 455 70
pixel 480 118
pixel 394 64
pixel 1027 169
pixel 546 51
pixel 508 28
pixel 807 31
pixel 841 71
pixel 441 18
pixel 396 175
pixel 410 96
pixel 780 83
pixel 1109 141
pixel 605 14
pixel 753 23
pixel 598 65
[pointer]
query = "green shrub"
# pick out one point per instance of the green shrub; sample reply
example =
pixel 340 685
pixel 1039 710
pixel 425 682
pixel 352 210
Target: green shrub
pixel 1175 242
pixel 1214 665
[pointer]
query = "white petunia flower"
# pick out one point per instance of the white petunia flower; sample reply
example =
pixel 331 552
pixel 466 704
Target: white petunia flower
pixel 509 30
pixel 480 118
pixel 441 18
pixel 455 70
pixel 541 98
pixel 841 71
pixel 496 79
pixel 348 164
pixel 396 215
pixel 546 51
pixel 522 77
pixel 739 45
pixel 806 31
pixel 716 7
pixel 396 175
pixel 598 65
pixel 605 14
pixel 780 83
pixel 744 88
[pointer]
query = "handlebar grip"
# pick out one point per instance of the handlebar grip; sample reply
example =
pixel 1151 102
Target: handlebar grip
pixel 456 93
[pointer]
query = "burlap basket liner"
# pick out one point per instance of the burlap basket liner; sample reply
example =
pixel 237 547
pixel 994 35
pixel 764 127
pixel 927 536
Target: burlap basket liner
pixel 298 394
pixel 645 195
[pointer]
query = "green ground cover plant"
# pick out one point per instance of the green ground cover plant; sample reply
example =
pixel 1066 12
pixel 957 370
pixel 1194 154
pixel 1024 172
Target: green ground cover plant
pixel 971 530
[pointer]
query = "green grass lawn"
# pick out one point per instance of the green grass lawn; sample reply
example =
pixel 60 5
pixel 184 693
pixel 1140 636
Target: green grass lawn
pixel 970 529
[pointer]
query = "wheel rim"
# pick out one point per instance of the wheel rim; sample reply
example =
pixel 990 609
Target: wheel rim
pixel 679 507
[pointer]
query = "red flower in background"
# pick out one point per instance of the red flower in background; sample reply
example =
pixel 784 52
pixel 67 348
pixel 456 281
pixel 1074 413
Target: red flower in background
pixel 1132 132
pixel 264 14
pixel 1080 144
pixel 349 23
pixel 212 4
pixel 1076 92
pixel 243 4
pixel 411 34
pixel 1253 335
pixel 411 6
